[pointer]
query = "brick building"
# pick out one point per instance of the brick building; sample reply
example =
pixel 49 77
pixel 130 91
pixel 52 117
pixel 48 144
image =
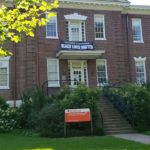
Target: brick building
pixel 92 42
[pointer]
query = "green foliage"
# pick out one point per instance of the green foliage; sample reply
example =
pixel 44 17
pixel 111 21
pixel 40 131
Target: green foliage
pixel 136 103
pixel 32 103
pixel 3 104
pixel 23 19
pixel 46 114
pixel 51 118
pixel 8 119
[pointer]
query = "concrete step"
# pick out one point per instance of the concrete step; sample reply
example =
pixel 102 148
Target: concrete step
pixel 113 121
pixel 117 128
pixel 118 132
pixel 116 123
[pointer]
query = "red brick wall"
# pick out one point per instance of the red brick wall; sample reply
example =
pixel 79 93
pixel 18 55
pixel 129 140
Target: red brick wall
pixel 31 54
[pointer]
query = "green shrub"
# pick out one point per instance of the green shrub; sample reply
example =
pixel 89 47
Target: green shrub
pixel 32 103
pixel 137 98
pixel 51 118
pixel 3 104
pixel 46 114
pixel 9 118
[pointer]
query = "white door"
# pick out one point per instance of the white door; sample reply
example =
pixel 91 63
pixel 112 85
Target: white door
pixel 78 72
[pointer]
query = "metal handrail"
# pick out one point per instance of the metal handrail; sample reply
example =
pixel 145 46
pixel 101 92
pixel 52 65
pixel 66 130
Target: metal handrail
pixel 122 106
pixel 102 120
pixel 63 83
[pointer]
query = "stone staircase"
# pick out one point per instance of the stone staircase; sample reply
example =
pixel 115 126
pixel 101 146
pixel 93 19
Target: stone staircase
pixel 114 122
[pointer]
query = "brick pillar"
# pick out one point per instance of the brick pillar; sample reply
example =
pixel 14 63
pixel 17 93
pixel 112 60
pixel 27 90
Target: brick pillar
pixel 92 77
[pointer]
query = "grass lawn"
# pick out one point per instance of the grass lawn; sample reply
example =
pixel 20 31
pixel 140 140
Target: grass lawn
pixel 12 141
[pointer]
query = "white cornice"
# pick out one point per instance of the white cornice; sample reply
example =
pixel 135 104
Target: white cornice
pixel 140 7
pixel 75 16
pixel 139 59
pixel 98 2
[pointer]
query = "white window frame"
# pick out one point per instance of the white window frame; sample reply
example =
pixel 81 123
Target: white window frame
pixel 141 34
pixel 104 28
pixel 58 73
pixel 97 62
pixel 5 62
pixel 80 30
pixel 143 60
pixel 53 37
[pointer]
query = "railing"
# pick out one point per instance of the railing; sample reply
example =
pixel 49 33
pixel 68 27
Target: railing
pixel 102 120
pixel 126 109
pixel 62 83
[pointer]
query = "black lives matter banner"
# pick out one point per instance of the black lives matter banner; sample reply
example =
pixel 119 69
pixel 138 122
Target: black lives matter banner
pixel 77 46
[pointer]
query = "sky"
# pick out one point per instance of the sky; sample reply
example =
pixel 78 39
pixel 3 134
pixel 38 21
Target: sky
pixel 140 2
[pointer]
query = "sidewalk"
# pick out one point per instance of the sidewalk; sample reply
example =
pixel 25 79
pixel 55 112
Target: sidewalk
pixel 141 138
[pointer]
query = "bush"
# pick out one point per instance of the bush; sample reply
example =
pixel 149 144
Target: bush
pixel 9 118
pixel 134 102
pixel 3 104
pixel 51 118
pixel 32 103
pixel 46 113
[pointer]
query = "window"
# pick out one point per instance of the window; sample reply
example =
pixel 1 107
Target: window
pixel 76 30
pixel 51 28
pixel 53 72
pixel 99 27
pixel 102 77
pixel 140 70
pixel 137 30
pixel 4 72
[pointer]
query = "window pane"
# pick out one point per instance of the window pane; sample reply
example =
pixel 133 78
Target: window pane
pixel 140 73
pixel 53 74
pixel 136 28
pixel 3 77
pixel 101 72
pixel 51 27
pixel 99 26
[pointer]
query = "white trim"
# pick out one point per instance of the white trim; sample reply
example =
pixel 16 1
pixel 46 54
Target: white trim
pixel 104 28
pixel 53 37
pixel 140 59
pixel 5 58
pixel 138 42
pixel 97 62
pixel 98 2
pixel 5 63
pixel 75 16
pixel 88 54
pixel 58 73
pixel 141 34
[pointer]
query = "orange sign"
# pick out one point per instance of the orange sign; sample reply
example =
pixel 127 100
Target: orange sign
pixel 77 115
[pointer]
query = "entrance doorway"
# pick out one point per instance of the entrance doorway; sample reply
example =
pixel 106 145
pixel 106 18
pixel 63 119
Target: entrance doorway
pixel 77 72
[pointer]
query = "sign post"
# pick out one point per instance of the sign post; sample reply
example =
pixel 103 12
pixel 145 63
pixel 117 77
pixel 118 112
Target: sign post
pixel 77 115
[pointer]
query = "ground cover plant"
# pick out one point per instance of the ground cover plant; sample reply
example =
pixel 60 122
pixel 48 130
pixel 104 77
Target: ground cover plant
pixel 9 141
pixel 134 102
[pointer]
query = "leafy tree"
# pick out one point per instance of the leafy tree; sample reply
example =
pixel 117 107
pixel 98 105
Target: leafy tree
pixel 22 18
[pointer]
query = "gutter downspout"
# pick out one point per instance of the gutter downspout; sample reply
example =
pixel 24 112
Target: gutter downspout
pixel 128 46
